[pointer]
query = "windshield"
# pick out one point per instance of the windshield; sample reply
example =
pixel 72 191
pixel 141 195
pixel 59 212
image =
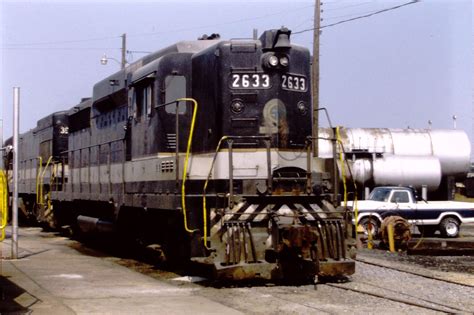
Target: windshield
pixel 380 194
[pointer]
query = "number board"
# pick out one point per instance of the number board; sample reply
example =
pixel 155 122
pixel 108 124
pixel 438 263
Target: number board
pixel 289 82
pixel 293 82
pixel 250 81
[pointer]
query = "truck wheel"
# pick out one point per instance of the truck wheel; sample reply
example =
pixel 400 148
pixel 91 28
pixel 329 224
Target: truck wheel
pixel 371 224
pixel 449 227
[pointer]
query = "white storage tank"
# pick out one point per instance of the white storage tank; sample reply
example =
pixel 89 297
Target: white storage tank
pixel 407 170
pixel 402 156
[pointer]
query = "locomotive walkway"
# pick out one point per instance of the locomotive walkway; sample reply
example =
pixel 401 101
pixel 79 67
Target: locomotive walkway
pixel 50 277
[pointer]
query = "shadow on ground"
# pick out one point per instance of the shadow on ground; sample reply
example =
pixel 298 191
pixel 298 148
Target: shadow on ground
pixel 13 299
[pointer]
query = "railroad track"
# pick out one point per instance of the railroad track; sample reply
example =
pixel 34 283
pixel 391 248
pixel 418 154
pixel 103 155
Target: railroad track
pixel 416 273
pixel 374 289
pixel 407 299
pixel 429 293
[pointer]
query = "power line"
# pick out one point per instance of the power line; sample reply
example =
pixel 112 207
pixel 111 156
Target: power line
pixel 11 46
pixel 347 15
pixel 57 48
pixel 347 6
pixel 221 24
pixel 359 17
pixel 66 41
pixel 304 22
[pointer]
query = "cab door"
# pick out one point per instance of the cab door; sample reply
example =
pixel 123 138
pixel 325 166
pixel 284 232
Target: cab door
pixel 173 119
pixel 142 99
pixel 404 206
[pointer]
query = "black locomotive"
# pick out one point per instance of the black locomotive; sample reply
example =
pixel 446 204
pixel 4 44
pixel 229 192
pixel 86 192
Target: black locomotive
pixel 204 148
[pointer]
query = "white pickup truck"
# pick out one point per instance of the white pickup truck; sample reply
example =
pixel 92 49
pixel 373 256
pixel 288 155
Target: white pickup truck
pixel 428 216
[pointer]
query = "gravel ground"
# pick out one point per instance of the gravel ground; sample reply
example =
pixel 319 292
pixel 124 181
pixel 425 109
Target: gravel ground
pixel 430 295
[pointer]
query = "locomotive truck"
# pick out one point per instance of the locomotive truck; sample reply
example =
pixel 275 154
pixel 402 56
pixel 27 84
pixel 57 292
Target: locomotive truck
pixel 204 148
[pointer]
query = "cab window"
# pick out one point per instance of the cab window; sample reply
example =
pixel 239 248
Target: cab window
pixel 175 88
pixel 400 197
pixel 143 100
pixel 380 194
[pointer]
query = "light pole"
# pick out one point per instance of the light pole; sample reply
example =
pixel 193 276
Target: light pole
pixel 105 59
pixel 16 128
pixel 122 63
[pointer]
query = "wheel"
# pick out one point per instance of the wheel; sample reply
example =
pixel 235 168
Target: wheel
pixel 449 227
pixel 370 224
pixel 400 228
pixel 427 230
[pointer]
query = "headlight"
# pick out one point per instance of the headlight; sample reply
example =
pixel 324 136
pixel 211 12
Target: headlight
pixel 270 60
pixel 284 61
pixel 273 61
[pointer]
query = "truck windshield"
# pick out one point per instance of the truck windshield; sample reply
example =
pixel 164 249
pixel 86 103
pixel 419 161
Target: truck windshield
pixel 380 194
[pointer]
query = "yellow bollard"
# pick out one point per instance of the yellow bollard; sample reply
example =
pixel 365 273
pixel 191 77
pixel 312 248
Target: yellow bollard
pixel 3 204
pixel 369 238
pixel 391 241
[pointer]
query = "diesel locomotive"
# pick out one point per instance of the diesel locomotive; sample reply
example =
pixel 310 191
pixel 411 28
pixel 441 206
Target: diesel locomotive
pixel 204 149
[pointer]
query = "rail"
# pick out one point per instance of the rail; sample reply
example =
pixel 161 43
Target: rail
pixel 3 204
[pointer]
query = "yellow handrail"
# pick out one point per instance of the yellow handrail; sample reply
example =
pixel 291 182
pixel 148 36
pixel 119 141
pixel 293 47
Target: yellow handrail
pixel 3 204
pixel 38 175
pixel 356 210
pixel 51 182
pixel 204 208
pixel 185 167
pixel 343 171
pixel 39 180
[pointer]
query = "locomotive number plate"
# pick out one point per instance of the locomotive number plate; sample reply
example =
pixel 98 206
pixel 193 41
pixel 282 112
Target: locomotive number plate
pixel 250 81
pixel 293 82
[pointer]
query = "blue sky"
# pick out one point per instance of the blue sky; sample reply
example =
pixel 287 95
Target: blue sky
pixel 396 69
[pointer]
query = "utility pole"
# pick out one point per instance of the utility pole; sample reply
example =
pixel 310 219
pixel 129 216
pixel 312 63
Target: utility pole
pixel 315 75
pixel 124 50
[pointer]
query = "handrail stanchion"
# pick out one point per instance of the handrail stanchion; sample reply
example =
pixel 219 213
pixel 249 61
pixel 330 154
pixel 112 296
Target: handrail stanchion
pixel 230 142
pixel 269 166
